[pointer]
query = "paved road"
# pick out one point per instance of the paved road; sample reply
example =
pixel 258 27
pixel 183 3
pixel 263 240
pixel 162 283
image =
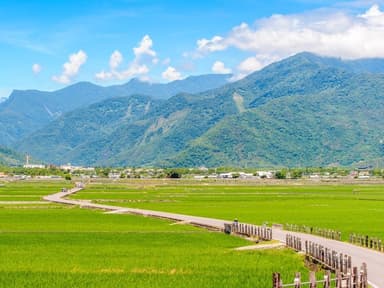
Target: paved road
pixel 374 259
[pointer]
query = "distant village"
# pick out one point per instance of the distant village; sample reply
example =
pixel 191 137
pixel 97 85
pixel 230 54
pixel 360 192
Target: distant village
pixel 67 171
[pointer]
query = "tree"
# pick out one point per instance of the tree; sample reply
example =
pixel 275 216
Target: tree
pixel 281 174
pixel 173 174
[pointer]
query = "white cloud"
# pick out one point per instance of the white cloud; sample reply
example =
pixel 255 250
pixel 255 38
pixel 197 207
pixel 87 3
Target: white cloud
pixel 217 43
pixel 71 68
pixel 219 67
pixel 250 64
pixel 144 56
pixel 247 66
pixel 171 74
pixel 144 48
pixel 115 60
pixel 325 32
pixel 133 70
pixel 374 16
pixel 103 75
pixel 36 68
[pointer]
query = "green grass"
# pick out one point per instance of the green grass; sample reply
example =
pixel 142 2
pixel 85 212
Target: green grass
pixel 30 190
pixel 357 208
pixel 60 246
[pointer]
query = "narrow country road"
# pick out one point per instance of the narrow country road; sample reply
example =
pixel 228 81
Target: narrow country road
pixel 374 259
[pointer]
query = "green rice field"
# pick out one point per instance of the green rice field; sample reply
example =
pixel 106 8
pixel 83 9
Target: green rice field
pixel 51 245
pixel 349 208
pixel 29 190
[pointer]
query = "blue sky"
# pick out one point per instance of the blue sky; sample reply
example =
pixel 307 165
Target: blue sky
pixel 48 45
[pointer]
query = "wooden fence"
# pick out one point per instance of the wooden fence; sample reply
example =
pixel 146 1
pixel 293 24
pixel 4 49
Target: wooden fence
pixel 326 233
pixel 367 241
pixel 328 258
pixel 261 232
pixel 293 242
pixel 346 276
pixel 355 279
pixel 317 253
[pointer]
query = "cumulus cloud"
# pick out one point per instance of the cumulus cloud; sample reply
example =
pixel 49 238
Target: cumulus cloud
pixel 144 48
pixel 36 68
pixel 219 68
pixel 115 60
pixel 328 33
pixel 144 56
pixel 252 64
pixel 71 68
pixel 171 74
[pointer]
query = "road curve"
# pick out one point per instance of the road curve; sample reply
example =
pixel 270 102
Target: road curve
pixel 374 259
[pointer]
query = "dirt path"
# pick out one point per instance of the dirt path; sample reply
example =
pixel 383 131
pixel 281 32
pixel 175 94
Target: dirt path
pixel 374 259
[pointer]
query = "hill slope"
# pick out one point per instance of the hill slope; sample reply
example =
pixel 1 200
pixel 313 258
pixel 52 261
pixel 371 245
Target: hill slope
pixel 27 111
pixel 305 110
pixel 9 157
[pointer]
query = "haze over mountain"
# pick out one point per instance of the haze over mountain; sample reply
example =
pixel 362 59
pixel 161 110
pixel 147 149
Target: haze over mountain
pixel 303 111
pixel 27 111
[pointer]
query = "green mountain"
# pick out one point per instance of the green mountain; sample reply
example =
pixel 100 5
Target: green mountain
pixel 9 157
pixel 303 111
pixel 27 111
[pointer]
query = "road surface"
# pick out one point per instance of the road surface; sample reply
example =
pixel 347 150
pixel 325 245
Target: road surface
pixel 374 259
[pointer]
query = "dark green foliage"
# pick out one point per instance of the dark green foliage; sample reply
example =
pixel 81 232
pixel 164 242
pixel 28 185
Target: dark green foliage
pixel 173 174
pixel 281 174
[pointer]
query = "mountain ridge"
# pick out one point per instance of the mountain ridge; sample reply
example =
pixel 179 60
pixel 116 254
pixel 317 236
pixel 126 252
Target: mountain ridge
pixel 285 114
pixel 26 111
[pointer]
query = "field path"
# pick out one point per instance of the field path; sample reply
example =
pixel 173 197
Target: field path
pixel 374 259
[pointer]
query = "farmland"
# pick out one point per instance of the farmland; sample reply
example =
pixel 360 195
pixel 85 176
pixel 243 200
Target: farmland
pixel 50 245
pixel 357 207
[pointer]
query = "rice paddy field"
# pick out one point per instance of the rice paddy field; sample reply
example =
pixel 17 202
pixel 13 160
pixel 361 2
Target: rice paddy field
pixel 51 245
pixel 346 207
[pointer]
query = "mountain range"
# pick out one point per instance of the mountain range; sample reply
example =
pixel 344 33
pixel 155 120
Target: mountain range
pixel 27 111
pixel 305 110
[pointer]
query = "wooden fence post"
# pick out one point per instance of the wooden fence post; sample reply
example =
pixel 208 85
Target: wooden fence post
pixel 364 276
pixel 276 280
pixel 339 279
pixel 349 262
pixel 348 280
pixel 312 280
pixel 297 280
pixel 346 264
pixel 341 258
pixel 355 278
pixel 327 279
